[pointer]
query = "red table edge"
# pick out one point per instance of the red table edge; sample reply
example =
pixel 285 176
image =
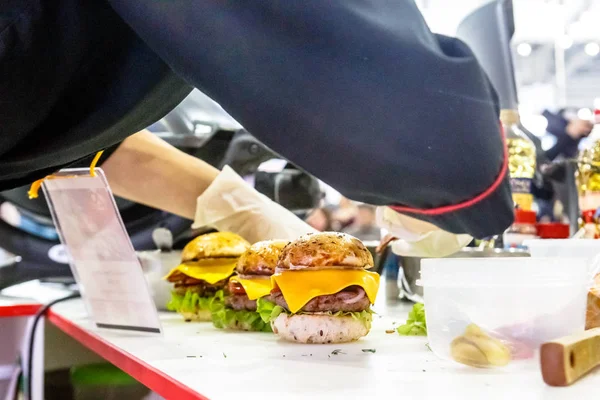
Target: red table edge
pixel 20 310
pixel 156 380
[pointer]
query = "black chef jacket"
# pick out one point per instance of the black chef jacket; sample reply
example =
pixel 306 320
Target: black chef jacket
pixel 359 93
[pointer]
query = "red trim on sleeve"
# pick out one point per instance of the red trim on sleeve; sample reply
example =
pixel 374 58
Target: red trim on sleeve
pixel 156 380
pixel 467 203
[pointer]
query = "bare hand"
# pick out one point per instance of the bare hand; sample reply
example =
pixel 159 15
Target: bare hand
pixel 579 128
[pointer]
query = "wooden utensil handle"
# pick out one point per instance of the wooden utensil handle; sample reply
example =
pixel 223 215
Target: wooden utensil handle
pixel 567 359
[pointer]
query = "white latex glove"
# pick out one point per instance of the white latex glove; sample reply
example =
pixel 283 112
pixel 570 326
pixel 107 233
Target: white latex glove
pixel 416 239
pixel 230 204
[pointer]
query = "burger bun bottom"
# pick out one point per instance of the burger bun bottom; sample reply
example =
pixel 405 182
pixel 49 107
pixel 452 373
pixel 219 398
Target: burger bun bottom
pixel 318 328
pixel 240 326
pixel 199 316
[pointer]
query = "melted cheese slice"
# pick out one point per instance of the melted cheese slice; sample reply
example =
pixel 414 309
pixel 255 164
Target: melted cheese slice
pixel 299 287
pixel 255 288
pixel 211 270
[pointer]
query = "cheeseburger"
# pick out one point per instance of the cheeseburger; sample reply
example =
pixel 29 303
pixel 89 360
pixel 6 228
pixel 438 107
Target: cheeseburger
pixel 322 292
pixel 252 282
pixel 207 262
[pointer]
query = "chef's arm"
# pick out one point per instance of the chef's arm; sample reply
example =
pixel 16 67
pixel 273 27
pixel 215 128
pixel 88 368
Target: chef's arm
pixel 148 170
pixel 359 93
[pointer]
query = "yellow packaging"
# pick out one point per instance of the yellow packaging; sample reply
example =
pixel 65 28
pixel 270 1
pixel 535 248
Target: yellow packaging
pixel 588 187
pixel 521 159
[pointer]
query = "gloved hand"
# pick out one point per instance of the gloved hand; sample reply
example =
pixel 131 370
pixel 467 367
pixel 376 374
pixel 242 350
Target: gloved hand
pixel 230 204
pixel 417 238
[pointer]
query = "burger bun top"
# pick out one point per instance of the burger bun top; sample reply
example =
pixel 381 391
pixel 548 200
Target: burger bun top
pixel 261 258
pixel 215 245
pixel 325 250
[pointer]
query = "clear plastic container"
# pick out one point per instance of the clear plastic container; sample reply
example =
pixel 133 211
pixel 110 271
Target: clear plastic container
pixel 520 302
pixel 579 248
pixel 156 265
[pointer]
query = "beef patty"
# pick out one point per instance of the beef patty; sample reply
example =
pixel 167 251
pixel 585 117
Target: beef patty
pixel 240 302
pixel 345 301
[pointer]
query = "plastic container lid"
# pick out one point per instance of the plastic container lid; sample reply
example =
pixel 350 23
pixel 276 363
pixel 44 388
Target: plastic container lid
pixel 507 272
pixel 553 231
pixel 525 216
pixel 578 248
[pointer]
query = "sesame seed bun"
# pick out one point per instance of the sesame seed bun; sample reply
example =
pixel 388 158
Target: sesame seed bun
pixel 215 245
pixel 261 258
pixel 325 250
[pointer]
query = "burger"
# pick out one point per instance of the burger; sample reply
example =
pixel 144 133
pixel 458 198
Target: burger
pixel 207 262
pixel 322 291
pixel 253 281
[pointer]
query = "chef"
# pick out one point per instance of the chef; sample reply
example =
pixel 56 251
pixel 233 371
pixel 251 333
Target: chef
pixel 359 93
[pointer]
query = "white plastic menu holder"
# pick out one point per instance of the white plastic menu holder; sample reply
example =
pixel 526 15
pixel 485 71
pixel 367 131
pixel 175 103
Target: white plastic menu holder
pixel 101 255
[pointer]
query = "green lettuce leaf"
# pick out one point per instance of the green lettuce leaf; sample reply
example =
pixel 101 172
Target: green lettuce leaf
pixel 416 325
pixel 269 311
pixel 224 317
pixel 192 302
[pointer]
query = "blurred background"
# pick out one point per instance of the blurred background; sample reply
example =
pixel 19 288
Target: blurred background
pixel 556 47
